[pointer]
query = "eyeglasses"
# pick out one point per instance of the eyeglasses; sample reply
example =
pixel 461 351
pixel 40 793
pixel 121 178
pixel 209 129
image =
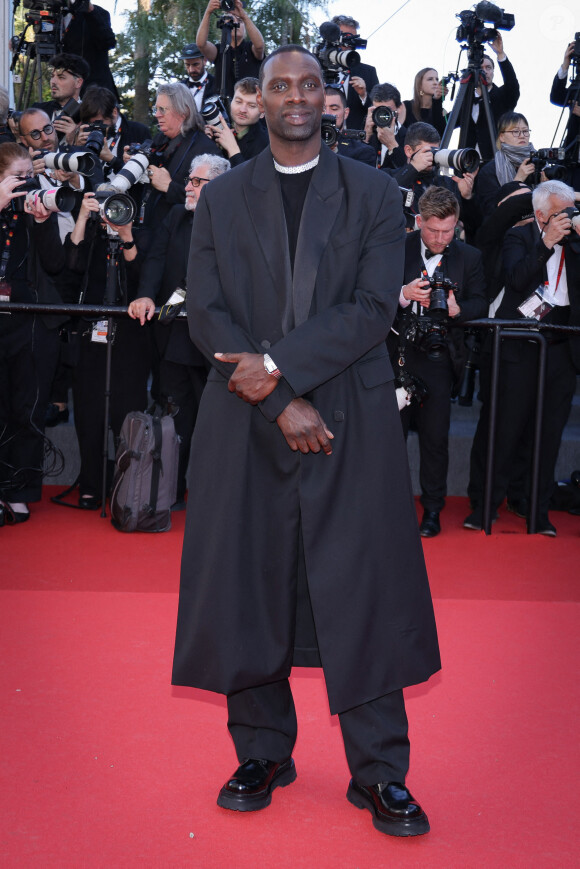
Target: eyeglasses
pixel 195 180
pixel 160 110
pixel 519 133
pixel 36 134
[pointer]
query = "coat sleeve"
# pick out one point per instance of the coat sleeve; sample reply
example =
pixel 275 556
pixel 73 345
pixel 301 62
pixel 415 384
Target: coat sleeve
pixel 509 93
pixel 472 299
pixel 330 341
pixel 523 263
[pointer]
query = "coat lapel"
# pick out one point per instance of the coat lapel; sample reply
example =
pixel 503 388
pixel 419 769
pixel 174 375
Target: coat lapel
pixel 264 201
pixel 321 208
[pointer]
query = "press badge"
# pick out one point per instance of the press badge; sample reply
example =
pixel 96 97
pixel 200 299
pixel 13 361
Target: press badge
pixel 536 306
pixel 99 332
pixel 5 293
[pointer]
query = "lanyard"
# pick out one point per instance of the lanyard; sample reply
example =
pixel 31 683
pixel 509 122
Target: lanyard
pixel 8 233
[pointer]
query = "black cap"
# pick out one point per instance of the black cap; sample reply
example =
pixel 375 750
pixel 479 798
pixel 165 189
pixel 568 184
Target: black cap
pixel 191 52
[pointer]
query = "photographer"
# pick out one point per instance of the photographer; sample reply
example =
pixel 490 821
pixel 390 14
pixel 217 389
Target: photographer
pixel 248 137
pixel 510 163
pixel 99 111
pixel 542 281
pixel 87 255
pixel 89 34
pixel 388 142
pixel 501 99
pixel 198 80
pixel 243 57
pixel 564 95
pixel 335 104
pixel 38 134
pixel 183 369
pixel 6 134
pixel 358 82
pixel 180 139
pixel 67 76
pixel 426 344
pixel 421 143
pixel 31 255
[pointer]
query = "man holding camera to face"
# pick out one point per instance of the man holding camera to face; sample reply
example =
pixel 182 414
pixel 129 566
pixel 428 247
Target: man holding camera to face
pixel 443 284
pixel 384 130
pixel 563 94
pixel 243 56
pixel 247 137
pixel 347 146
pixel 358 82
pixel 67 76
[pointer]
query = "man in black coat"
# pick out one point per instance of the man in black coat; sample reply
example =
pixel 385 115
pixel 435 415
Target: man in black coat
pixel 183 369
pixel 198 80
pixel 564 95
pixel 420 172
pixel 542 256
pixel 358 81
pixel 335 104
pixel 248 136
pixel 89 34
pixel 68 74
pixel 501 99
pixel 242 57
pixel 386 140
pixel 436 354
pixel 301 543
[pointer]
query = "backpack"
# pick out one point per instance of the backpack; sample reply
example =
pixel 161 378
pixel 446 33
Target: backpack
pixel 145 478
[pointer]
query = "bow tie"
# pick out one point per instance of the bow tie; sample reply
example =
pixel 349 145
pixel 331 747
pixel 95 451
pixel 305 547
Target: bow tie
pixel 198 84
pixel 429 253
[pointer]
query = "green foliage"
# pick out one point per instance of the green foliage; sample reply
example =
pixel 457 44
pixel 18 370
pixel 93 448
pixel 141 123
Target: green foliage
pixel 174 23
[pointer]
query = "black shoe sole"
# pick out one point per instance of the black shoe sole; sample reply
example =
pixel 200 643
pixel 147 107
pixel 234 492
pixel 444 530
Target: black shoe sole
pixel 255 802
pixel 417 827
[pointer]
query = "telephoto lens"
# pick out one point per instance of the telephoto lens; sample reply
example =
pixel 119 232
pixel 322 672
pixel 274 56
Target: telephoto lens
pixel 383 116
pixel 211 114
pixel 461 160
pixel 55 199
pixel 82 162
pixel 118 208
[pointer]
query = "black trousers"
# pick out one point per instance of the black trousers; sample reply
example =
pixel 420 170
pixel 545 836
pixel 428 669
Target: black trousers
pixel 516 409
pixel 28 355
pixel 432 422
pixel 262 723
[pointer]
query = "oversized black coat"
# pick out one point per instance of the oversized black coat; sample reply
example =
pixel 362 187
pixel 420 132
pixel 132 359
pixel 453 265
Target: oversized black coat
pixel 250 494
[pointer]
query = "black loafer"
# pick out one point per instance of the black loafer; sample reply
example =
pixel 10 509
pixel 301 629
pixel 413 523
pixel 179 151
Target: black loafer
pixel 394 810
pixel 250 788
pixel 430 525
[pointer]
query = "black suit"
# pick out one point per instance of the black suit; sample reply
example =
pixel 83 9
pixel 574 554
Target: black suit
pixel 251 143
pixel 501 99
pixel 90 35
pixel 358 110
pixel 462 264
pixel 129 132
pixel 325 324
pixel 562 95
pixel 183 369
pixel 524 258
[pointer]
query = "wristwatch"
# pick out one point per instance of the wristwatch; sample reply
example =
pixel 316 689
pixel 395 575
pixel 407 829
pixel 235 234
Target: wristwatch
pixel 271 367
pixel 127 245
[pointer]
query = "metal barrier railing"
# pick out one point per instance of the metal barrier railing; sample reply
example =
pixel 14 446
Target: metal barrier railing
pixel 528 330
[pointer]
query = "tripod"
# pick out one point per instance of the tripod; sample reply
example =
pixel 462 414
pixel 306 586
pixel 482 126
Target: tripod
pixel 226 25
pixel 471 78
pixel 37 54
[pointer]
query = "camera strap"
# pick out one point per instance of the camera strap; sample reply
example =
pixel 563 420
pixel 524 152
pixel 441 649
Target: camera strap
pixel 7 227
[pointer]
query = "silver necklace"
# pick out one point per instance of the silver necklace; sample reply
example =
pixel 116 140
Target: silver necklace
pixel 296 170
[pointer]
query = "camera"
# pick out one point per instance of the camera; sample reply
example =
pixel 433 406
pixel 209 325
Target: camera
pixel 71 109
pixel 472 28
pixel 425 334
pixel 329 130
pixel 227 5
pixel 332 57
pixel 352 41
pixel 17 204
pixel 553 162
pixel 142 156
pixel 460 160
pixel 415 388
pixel 118 208
pixel 54 199
pixel 101 127
pixel 211 110
pixel 574 215
pixel 82 162
pixel 383 116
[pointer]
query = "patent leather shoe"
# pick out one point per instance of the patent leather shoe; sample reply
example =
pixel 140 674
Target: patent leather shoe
pixel 430 525
pixel 250 788
pixel 394 810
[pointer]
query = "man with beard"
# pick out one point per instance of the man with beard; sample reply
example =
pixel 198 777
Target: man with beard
pixel 301 544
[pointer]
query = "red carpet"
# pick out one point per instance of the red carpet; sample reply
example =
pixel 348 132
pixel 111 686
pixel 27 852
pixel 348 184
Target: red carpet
pixel 104 764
